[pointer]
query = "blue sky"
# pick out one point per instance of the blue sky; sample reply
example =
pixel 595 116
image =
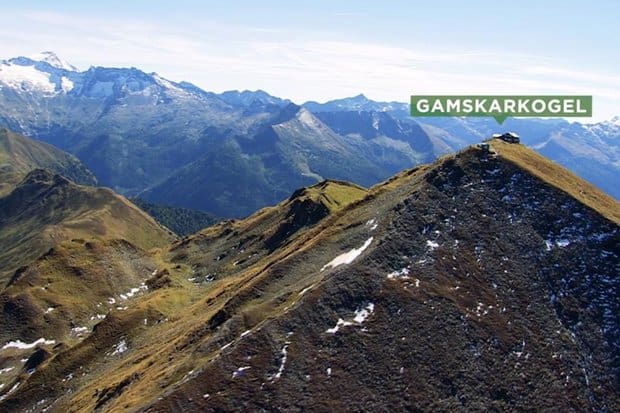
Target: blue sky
pixel 319 50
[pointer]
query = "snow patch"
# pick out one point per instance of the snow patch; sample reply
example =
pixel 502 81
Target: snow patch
pixel 432 244
pixel 167 84
pixel 120 348
pixel 284 354
pixel 133 291
pixel 79 330
pixel 361 315
pixel 10 391
pixel 372 223
pixel 25 346
pixel 339 323
pixel 239 371
pixel 53 60
pixel 65 84
pixel 402 274
pixel 305 290
pixel 26 78
pixel 481 310
pixel 348 257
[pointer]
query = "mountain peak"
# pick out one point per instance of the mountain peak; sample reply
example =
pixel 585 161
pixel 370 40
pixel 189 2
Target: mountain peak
pixel 43 73
pixel 355 103
pixel 558 177
pixel 251 97
pixel 358 98
pixel 53 60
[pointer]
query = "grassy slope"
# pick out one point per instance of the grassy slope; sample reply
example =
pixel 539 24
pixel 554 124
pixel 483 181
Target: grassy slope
pixel 45 209
pixel 68 285
pixel 19 155
pixel 183 303
pixel 559 177
pixel 237 243
pixel 335 195
pixel 235 292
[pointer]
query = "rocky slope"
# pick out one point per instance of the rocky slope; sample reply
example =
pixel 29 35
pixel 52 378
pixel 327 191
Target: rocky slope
pixel 480 282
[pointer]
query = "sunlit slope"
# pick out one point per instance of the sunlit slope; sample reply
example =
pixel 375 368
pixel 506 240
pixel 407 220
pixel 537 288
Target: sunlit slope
pixel 473 283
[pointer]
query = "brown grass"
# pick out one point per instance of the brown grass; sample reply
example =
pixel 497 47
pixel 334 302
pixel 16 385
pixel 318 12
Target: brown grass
pixel 559 177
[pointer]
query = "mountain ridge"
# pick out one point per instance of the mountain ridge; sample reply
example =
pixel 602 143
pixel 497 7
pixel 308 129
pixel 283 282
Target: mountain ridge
pixel 45 208
pixel 19 155
pixel 142 134
pixel 474 282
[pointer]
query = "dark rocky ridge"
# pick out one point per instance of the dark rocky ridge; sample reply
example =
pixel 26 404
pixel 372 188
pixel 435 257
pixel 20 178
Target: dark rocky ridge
pixel 486 317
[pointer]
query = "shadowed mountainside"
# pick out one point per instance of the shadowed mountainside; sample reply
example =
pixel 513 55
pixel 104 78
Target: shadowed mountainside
pixel 181 221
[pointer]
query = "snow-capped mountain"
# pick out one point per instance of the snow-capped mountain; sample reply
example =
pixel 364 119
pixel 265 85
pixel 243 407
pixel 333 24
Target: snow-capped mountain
pixel 45 74
pixel 53 60
pixel 139 132
pixel 358 103
pixel 113 119
pixel 142 133
pixel 250 98
pixel 609 128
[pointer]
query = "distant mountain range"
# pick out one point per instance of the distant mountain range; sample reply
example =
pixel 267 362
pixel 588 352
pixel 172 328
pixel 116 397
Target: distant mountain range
pixel 231 153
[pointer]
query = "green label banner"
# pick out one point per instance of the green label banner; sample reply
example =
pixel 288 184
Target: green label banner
pixel 501 106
